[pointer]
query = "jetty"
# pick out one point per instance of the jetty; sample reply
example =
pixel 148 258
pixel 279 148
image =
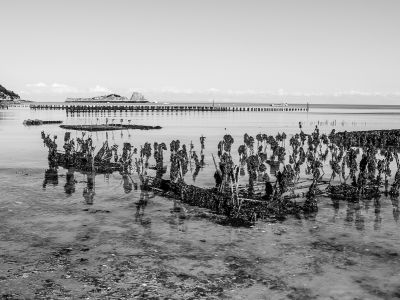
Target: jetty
pixel 10 104
pixel 151 107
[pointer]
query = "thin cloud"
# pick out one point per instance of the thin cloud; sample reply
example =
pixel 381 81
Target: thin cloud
pixel 37 85
pixel 366 94
pixel 230 93
pixel 99 89
pixel 55 88
pixel 62 88
pixel 140 90
pixel 174 90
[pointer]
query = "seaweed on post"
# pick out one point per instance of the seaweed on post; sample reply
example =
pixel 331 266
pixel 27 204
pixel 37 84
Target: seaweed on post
pixel 357 165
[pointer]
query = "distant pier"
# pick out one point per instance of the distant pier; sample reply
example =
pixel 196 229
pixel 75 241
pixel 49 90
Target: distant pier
pixel 8 105
pixel 150 107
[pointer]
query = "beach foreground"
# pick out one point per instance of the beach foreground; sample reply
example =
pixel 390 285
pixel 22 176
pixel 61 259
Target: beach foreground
pixel 54 247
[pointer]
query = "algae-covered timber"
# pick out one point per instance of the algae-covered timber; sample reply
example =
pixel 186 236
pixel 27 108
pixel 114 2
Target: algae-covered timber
pixel 106 127
pixel 362 170
pixel 35 122
pixel 220 202
pixel 80 155
pixel 377 138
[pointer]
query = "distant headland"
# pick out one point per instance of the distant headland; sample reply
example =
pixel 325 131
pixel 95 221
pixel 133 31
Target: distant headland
pixel 8 97
pixel 114 98
pixel 7 94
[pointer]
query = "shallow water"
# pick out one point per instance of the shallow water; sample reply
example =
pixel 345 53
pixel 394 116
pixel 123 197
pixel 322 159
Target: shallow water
pixel 54 244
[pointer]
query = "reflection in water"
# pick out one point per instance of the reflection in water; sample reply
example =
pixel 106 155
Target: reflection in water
pixel 141 205
pixel 127 183
pixel 354 213
pixel 50 177
pixel 335 205
pixel 89 190
pixel 178 216
pixel 396 211
pixel 378 218
pixel 359 220
pixel 69 186
pixel 349 214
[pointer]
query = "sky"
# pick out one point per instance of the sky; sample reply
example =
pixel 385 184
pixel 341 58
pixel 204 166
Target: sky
pixel 187 50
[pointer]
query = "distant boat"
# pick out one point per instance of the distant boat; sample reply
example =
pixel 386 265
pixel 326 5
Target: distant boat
pixel 279 104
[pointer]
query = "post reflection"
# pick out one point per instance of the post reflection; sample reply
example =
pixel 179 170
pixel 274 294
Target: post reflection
pixel 377 211
pixel 396 211
pixel 141 204
pixel 50 177
pixel 127 183
pixel 70 183
pixel 89 190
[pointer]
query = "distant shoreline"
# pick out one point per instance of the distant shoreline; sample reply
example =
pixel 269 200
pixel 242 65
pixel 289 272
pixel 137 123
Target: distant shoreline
pixel 15 101
pixel 311 105
pixel 108 102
